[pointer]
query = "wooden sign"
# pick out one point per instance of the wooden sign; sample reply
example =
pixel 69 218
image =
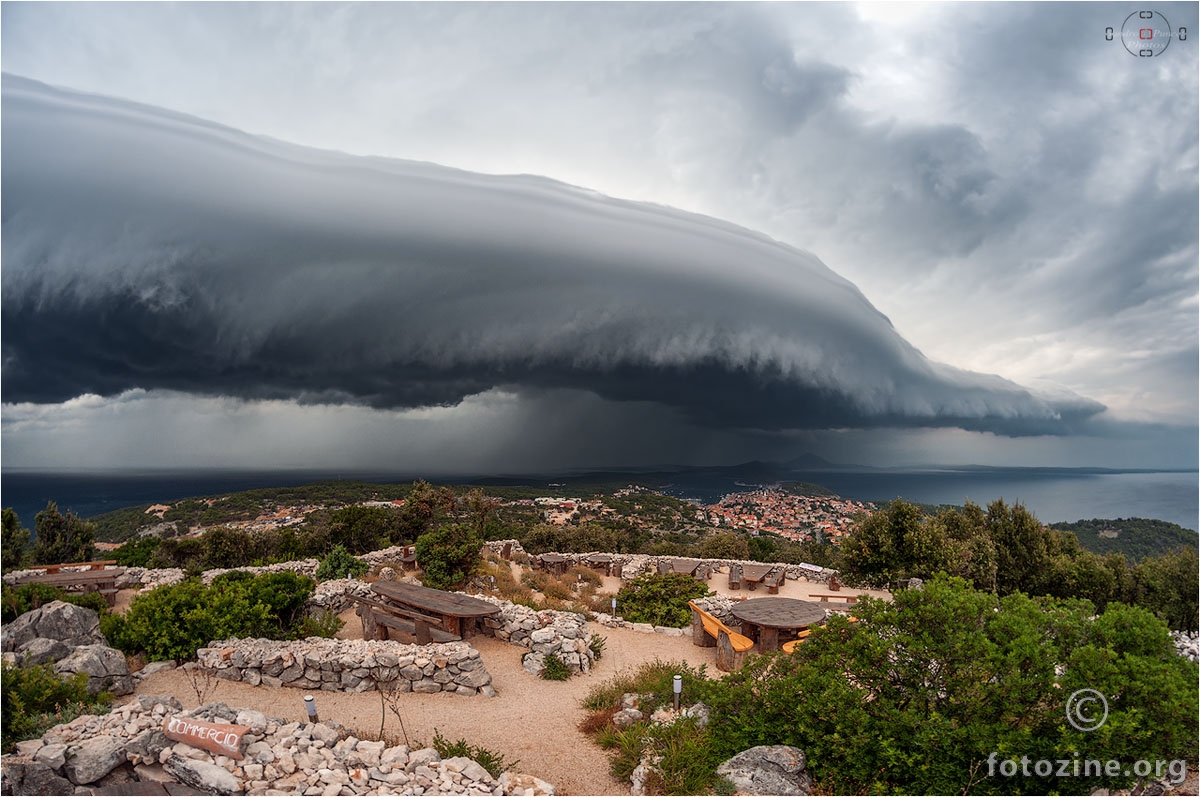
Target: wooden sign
pixel 211 736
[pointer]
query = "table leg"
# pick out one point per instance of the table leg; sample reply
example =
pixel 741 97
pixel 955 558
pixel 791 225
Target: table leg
pixel 453 625
pixel 768 639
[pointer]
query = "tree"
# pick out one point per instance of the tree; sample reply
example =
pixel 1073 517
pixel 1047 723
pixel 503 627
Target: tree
pixel 62 538
pixel 449 555
pixel 423 508
pixel 895 542
pixel 1022 555
pixel 365 528
pixel 14 542
pixel 725 545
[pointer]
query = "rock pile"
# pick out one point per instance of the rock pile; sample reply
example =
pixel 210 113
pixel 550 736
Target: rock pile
pixel 279 757
pixel 334 595
pixel 149 578
pixel 345 665
pixel 544 632
pixel 1187 644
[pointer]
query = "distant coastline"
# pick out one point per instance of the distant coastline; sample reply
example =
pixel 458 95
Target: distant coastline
pixel 1053 494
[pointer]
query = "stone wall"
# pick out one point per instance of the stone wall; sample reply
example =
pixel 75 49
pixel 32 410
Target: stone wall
pixel 305 567
pixel 346 665
pixel 544 632
pixel 148 578
pixel 127 746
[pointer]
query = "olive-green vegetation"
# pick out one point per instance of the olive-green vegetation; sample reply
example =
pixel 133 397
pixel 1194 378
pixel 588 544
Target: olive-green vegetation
pixel 18 600
pixel 495 763
pixel 173 622
pixel 137 552
pixel 62 538
pixel 340 564
pixel 35 699
pixel 917 695
pixel 14 545
pixel 1006 550
pixel 1135 537
pixel 449 555
pixel 660 599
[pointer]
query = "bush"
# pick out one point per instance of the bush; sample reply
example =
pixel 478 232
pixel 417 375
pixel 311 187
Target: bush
pixel 493 762
pixel 340 564
pixel 326 624
pixel 173 622
pixel 660 599
pixel 915 697
pixel 554 668
pixel 449 556
pixel 35 699
pixel 18 600
pixel 137 553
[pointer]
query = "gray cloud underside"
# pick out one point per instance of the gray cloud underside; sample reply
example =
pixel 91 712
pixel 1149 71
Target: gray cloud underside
pixel 146 249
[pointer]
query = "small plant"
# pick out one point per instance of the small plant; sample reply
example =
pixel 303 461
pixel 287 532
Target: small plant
pixel 326 624
pixel 202 680
pixel 554 668
pixel 16 601
pixel 35 699
pixel 339 563
pixel 490 760
pixel 596 644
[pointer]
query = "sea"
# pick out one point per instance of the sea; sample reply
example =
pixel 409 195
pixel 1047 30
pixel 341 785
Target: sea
pixel 1053 495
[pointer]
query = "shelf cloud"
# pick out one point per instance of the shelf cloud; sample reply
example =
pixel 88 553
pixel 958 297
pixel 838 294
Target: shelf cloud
pixel 148 250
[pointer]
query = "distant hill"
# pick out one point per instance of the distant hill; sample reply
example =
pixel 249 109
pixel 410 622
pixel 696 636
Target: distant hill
pixel 1137 538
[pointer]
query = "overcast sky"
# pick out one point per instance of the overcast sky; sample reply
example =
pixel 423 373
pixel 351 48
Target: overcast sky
pixel 487 237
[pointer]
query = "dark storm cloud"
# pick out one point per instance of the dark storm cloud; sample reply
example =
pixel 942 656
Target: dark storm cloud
pixel 144 249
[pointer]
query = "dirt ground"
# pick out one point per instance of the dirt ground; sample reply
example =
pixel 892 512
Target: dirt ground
pixel 530 720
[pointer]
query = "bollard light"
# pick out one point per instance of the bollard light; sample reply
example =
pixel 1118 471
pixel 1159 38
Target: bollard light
pixel 310 706
pixel 678 686
pixel 614 604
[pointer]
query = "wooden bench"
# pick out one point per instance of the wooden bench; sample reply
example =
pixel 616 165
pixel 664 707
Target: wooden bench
pixel 846 598
pixel 731 646
pixel 426 628
pixel 735 576
pixel 790 647
pixel 773 579
pixel 97 565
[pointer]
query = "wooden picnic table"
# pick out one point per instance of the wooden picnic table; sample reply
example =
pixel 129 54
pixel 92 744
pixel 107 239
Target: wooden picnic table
pixel 601 561
pixel 753 574
pixel 554 563
pixel 680 564
pixel 764 618
pixel 457 615
pixel 102 581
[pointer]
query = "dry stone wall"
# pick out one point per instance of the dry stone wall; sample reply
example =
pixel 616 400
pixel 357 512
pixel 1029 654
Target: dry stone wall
pixel 279 757
pixel 345 665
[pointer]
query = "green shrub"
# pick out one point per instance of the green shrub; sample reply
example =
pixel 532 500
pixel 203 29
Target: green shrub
pixel 915 697
pixel 339 563
pixel 449 555
pixel 18 600
pixel 660 599
pixel 596 643
pixel 554 668
pixel 35 699
pixel 490 760
pixel 173 622
pixel 137 553
pixel 326 624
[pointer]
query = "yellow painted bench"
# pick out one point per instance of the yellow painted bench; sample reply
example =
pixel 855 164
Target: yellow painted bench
pixel 731 646
pixel 802 637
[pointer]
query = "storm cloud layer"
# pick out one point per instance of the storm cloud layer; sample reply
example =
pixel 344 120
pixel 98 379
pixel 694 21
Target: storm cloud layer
pixel 144 249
